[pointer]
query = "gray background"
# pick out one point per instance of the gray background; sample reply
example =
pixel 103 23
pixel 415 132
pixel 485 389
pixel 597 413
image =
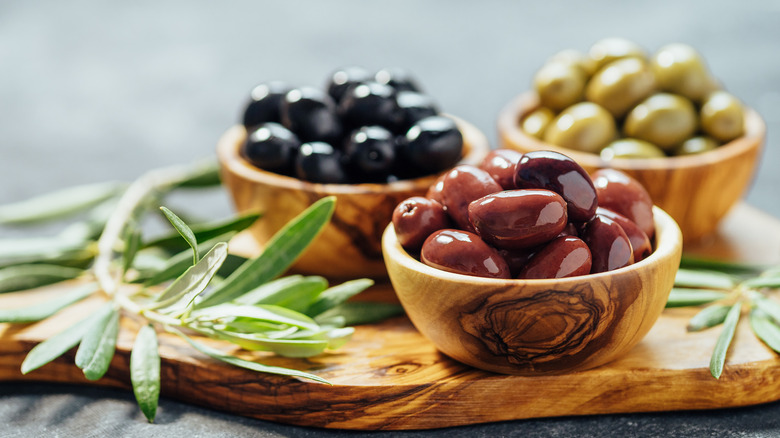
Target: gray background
pixel 93 91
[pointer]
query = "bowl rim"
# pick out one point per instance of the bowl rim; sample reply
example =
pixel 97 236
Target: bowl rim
pixel 668 239
pixel 476 147
pixel 510 134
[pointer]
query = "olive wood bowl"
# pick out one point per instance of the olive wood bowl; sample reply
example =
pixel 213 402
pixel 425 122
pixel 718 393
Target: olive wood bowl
pixel 350 245
pixel 537 327
pixel 696 190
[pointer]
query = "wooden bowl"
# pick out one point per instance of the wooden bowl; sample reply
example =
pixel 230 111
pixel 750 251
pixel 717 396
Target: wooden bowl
pixel 350 245
pixel 696 190
pixel 537 327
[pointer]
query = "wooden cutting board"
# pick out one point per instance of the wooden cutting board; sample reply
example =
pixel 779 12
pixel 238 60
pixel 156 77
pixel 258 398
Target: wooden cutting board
pixel 390 377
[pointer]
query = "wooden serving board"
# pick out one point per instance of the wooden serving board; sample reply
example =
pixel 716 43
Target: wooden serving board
pixel 390 377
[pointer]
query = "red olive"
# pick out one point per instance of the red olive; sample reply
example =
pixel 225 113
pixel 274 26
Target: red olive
pixel 625 195
pixel 609 245
pixel 518 218
pixel 500 164
pixel 569 230
pixel 559 173
pixel 462 185
pixel 562 257
pixel 463 253
pixel 516 259
pixel 639 240
pixel 434 191
pixel 417 218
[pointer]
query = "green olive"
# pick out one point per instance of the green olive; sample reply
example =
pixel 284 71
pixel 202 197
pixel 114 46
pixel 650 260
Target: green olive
pixel 722 116
pixel 537 121
pixel 663 119
pixel 559 85
pixel 611 49
pixel 620 85
pixel 631 148
pixel 584 126
pixel 576 58
pixel 696 145
pixel 679 69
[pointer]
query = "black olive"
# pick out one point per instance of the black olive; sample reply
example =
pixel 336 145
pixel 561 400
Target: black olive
pixel 271 147
pixel 370 153
pixel 344 78
pixel 414 107
pixel 310 114
pixel 264 102
pixel 319 162
pixel 433 144
pixel 397 78
pixel 370 104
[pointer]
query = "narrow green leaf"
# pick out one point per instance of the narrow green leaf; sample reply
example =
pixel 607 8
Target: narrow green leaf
pixel 362 312
pixel 279 254
pixel 37 249
pixel 769 306
pixel 23 277
pixel 699 263
pixel 282 347
pixel 93 225
pixel 338 294
pixel 762 282
pixel 724 340
pixel 261 312
pixel 204 174
pixel 145 371
pixel 708 317
pixel 48 308
pixel 683 297
pixel 132 245
pixel 178 264
pixel 216 354
pixel 180 294
pixel 185 232
pixel 703 279
pixel 765 329
pixel 296 294
pixel 204 232
pixel 98 346
pixel 58 344
pixel 59 204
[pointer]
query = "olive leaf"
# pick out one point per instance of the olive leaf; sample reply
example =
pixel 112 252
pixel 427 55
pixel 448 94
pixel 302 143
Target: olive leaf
pixel 173 242
pixel 338 294
pixel 145 371
pixel 184 231
pixel 179 263
pixel 263 312
pixel 235 361
pixel 766 329
pixel 708 317
pixel 58 344
pixel 682 297
pixel 21 277
pixel 59 204
pixel 361 312
pixel 280 252
pixel 41 250
pixel 295 293
pixel 180 294
pixel 703 279
pixel 768 306
pixel 98 345
pixel 697 263
pixel 202 174
pixel 763 282
pixel 132 245
pixel 718 358
pixel 48 308
pixel 282 347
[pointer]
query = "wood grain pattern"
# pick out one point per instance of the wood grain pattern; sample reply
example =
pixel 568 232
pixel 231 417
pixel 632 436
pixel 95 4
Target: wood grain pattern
pixel 697 191
pixel 537 327
pixel 349 246
pixel 389 377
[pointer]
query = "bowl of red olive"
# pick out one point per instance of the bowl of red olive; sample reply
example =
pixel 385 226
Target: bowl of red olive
pixel 528 265
pixel 662 118
pixel 371 139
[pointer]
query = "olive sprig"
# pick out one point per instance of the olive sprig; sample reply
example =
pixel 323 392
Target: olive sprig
pixel 184 282
pixel 726 289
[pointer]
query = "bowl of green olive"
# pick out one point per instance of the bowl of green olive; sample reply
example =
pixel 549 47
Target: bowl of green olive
pixel 662 118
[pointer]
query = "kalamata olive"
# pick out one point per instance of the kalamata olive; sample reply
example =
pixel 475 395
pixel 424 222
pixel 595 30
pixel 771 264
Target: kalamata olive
pixel 433 144
pixel 271 147
pixel 625 195
pixel 369 103
pixel 319 162
pixel 517 258
pixel 398 78
pixel 413 107
pixel 562 257
pixel 434 191
pixel 631 148
pixel 554 171
pixel 611 49
pixel 370 153
pixel 462 185
pixel 609 245
pixel 535 123
pixel 417 218
pixel 722 117
pixel 640 244
pixel 584 126
pixel 663 119
pixel 500 164
pixel 569 230
pixel 620 85
pixel 310 114
pixel 264 102
pixel 344 78
pixel 678 68
pixel 559 85
pixel 518 218
pixel 463 252
pixel 696 145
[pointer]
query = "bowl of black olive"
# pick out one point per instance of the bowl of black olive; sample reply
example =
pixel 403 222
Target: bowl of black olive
pixel 660 117
pixel 371 139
